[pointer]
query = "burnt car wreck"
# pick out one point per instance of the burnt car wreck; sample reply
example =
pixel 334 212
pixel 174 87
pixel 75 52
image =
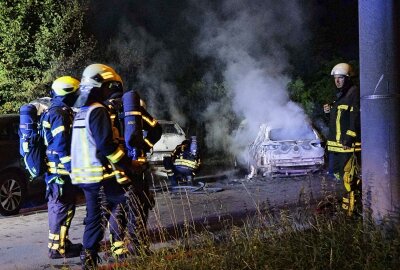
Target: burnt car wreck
pixel 285 151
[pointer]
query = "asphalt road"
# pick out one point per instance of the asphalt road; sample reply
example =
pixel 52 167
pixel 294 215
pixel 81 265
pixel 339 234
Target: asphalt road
pixel 24 237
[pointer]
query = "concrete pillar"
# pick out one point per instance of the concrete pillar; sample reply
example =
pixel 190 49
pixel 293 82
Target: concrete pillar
pixel 379 30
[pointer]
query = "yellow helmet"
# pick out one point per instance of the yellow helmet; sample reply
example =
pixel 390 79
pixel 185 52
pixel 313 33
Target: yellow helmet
pixel 342 69
pixel 65 85
pixel 95 75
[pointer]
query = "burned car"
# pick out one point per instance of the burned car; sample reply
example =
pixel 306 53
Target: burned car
pixel 285 151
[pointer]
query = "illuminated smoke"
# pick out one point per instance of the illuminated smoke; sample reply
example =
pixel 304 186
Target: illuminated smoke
pixel 250 40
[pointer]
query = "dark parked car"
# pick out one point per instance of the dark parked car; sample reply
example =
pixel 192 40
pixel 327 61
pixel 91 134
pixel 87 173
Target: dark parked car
pixel 16 188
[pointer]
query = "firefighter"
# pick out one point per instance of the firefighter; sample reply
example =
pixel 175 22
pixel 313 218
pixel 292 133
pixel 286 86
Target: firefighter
pixel 152 132
pixel 60 192
pixel 344 139
pixel 99 164
pixel 138 132
pixel 183 162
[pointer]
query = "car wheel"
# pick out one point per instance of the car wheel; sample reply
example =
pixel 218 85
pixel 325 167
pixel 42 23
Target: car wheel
pixel 12 193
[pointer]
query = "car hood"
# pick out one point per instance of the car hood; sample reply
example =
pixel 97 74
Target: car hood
pixel 167 143
pixel 304 149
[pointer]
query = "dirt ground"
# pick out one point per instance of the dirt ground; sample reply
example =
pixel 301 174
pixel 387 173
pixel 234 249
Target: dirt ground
pixel 24 238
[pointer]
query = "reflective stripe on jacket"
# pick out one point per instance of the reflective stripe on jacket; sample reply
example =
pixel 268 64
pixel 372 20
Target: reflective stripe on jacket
pixel 57 123
pixel 181 156
pixel 344 124
pixel 87 167
pixel 193 164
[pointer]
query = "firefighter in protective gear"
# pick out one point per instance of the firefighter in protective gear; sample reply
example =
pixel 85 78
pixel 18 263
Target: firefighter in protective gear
pixel 99 164
pixel 60 192
pixel 139 141
pixel 137 131
pixel 183 162
pixel 344 139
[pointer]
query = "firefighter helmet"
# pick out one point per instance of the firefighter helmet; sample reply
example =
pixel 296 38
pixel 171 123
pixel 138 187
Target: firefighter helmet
pixel 343 69
pixel 65 85
pixel 95 75
pixel 98 82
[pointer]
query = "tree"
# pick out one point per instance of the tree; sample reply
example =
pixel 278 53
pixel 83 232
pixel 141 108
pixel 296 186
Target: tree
pixel 39 41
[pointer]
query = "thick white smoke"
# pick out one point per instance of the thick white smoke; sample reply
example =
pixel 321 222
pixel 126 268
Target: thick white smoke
pixel 250 39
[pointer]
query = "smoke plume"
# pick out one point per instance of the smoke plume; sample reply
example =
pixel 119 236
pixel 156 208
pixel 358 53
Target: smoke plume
pixel 250 41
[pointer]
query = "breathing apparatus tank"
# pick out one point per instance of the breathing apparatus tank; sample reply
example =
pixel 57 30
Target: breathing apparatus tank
pixel 133 133
pixel 193 146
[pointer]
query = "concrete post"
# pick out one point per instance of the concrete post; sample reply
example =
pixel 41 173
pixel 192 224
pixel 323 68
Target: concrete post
pixel 379 30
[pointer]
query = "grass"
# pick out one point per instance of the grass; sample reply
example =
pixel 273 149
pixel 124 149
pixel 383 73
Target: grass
pixel 289 238
pixel 280 241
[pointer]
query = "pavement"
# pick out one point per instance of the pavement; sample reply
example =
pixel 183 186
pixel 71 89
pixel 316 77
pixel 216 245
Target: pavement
pixel 226 198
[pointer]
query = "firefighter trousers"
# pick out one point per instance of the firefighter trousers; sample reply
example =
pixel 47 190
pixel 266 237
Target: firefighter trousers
pixel 61 210
pixel 105 199
pixel 140 201
pixel 351 201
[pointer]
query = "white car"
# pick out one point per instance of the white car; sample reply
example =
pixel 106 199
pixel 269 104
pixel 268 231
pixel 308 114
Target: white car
pixel 285 151
pixel 172 135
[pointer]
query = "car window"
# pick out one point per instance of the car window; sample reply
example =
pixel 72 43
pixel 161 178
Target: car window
pixel 170 129
pixel 14 131
pixel 298 133
pixel 9 128
pixel 3 134
pixel 4 131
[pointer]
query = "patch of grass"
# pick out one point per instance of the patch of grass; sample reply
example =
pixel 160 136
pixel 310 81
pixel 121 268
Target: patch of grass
pixel 275 242
pixel 292 237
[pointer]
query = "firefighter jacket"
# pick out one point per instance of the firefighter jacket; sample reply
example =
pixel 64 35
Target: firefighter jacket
pixel 151 129
pixel 57 123
pixel 94 152
pixel 114 105
pixel 344 121
pixel 182 156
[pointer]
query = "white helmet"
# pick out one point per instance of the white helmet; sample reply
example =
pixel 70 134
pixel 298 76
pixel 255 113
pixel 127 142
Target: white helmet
pixel 96 74
pixel 343 69
pixel 97 80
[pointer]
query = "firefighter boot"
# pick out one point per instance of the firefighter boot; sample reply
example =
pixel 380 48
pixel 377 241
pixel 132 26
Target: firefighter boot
pixel 70 251
pixel 89 260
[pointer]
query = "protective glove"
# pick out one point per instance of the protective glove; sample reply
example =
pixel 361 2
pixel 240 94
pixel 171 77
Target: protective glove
pixel 55 187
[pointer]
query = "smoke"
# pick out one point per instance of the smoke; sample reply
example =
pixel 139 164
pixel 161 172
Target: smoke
pixel 143 63
pixel 250 41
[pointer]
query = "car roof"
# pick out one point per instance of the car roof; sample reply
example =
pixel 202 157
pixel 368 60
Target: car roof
pixel 8 117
